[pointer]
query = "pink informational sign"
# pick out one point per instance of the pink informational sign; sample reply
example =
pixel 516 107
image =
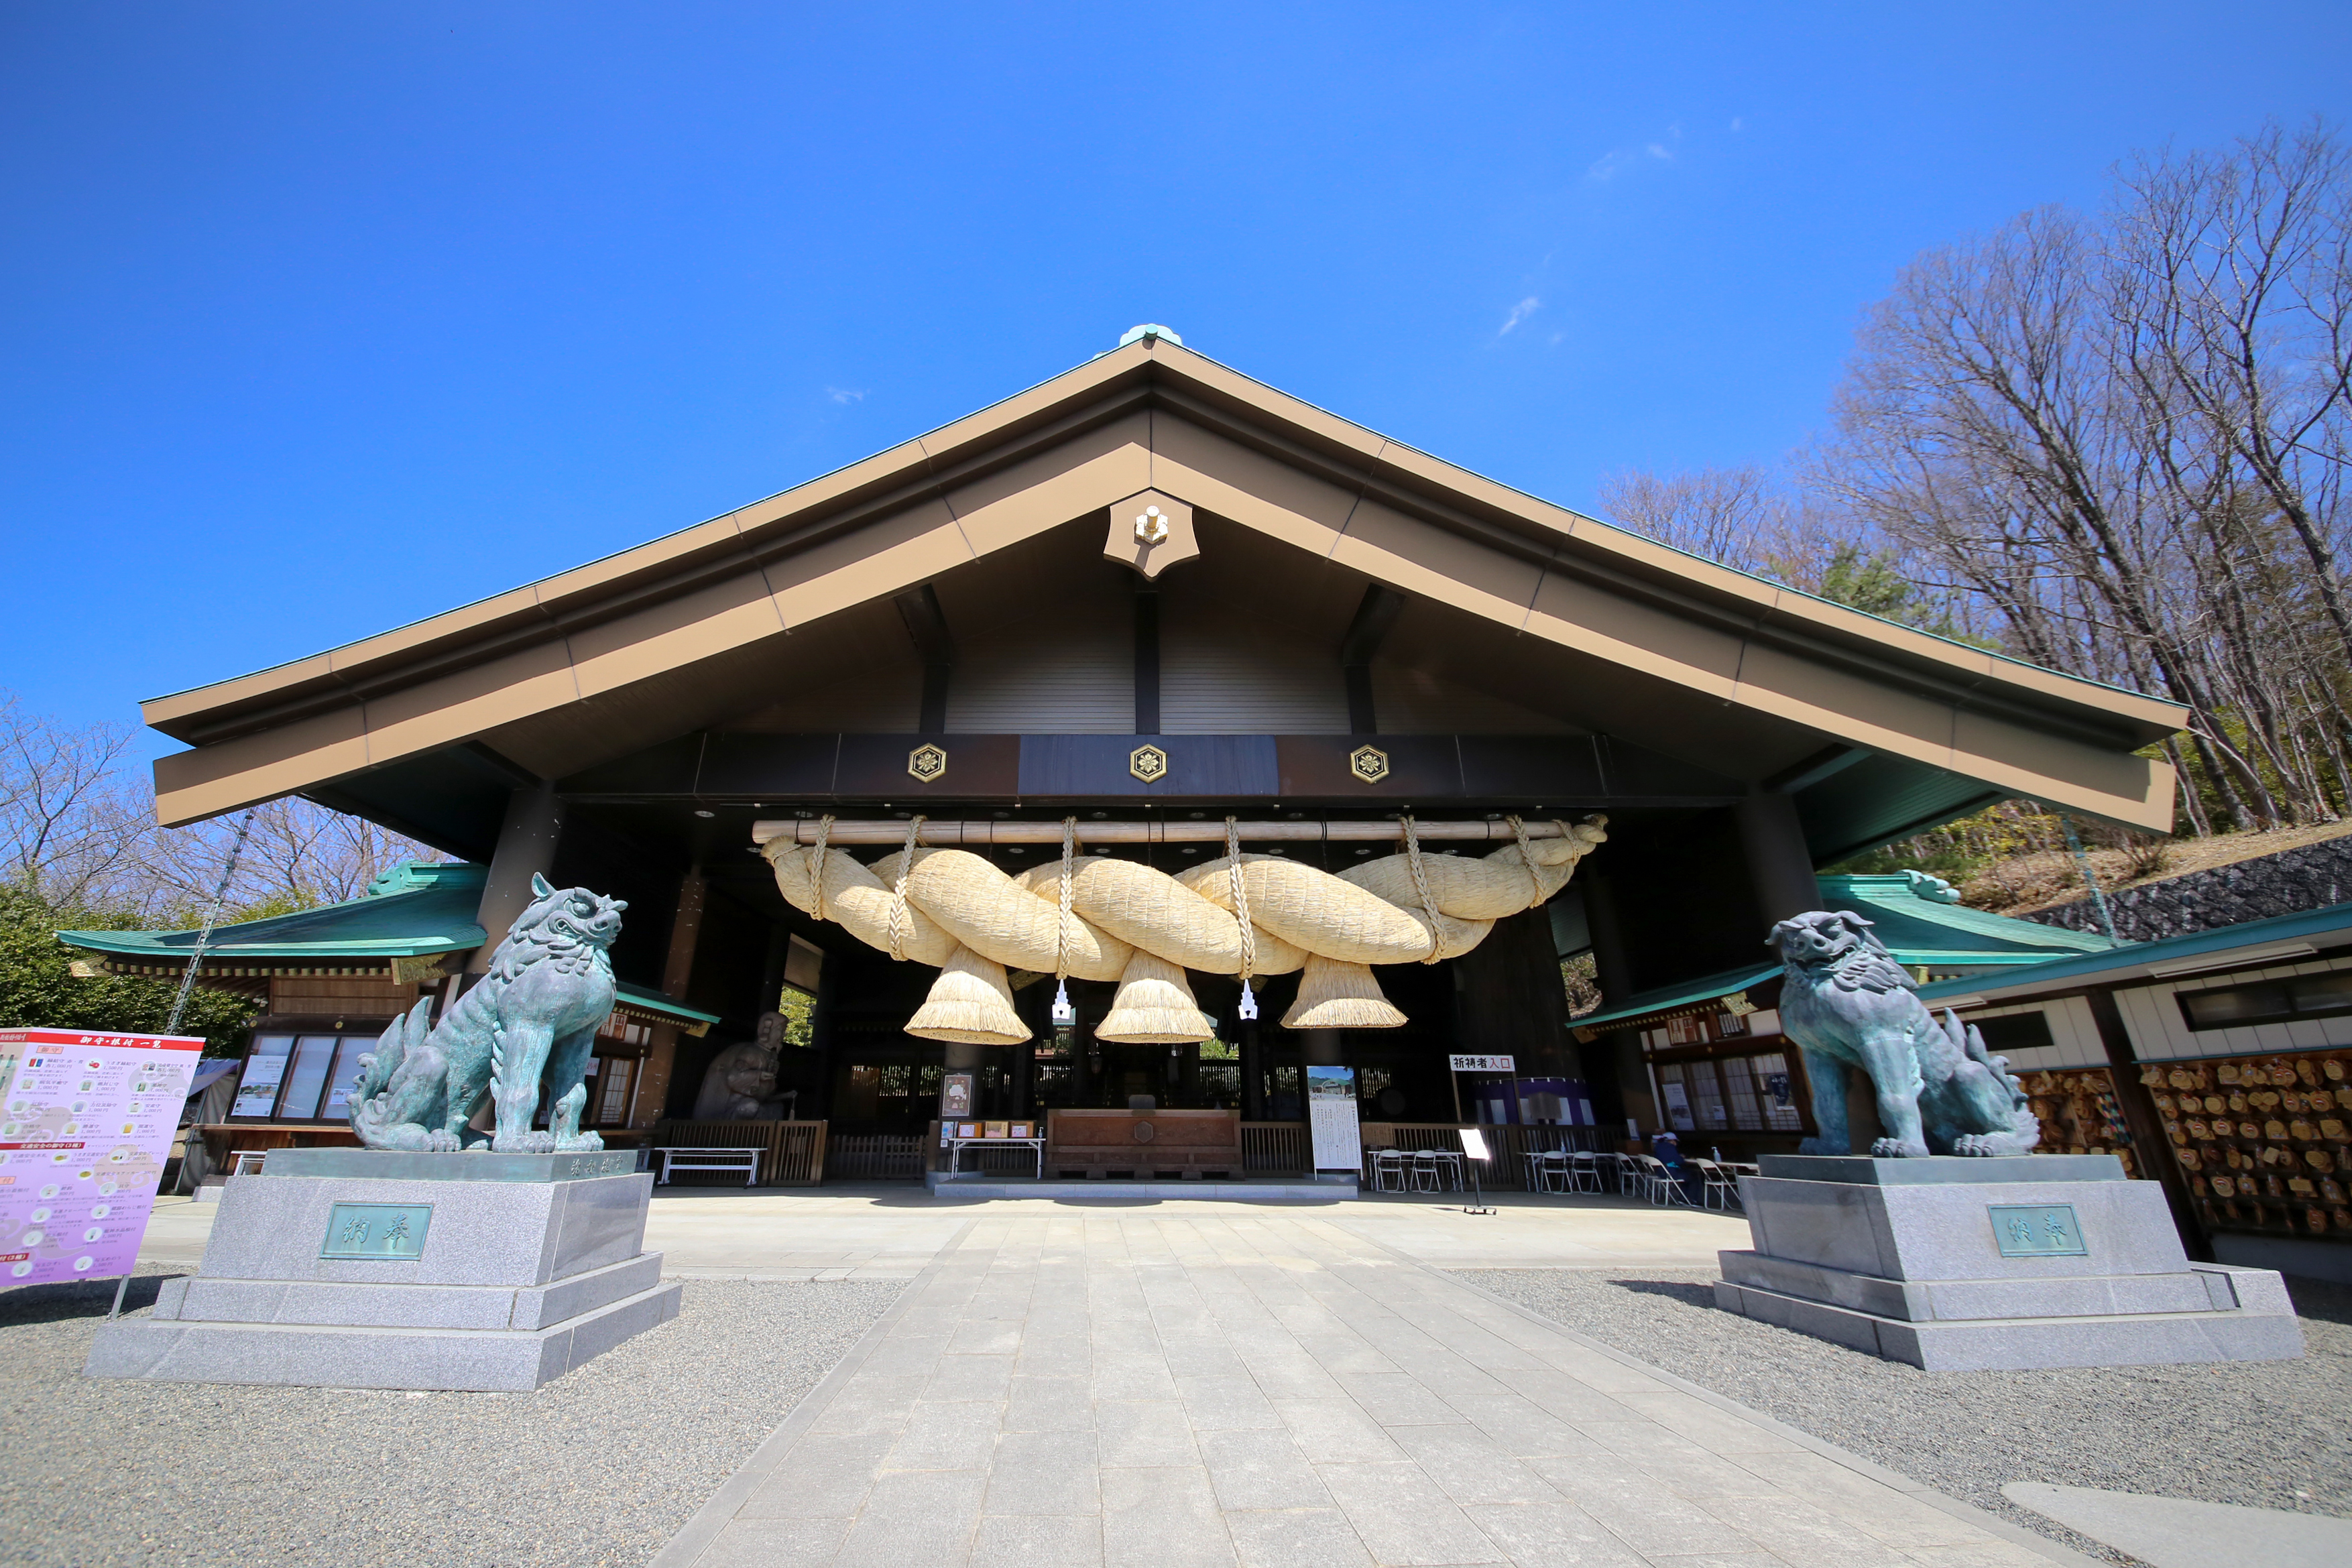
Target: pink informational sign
pixel 86 1122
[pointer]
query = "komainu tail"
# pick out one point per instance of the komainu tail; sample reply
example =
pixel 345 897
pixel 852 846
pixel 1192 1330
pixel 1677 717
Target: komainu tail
pixel 378 1067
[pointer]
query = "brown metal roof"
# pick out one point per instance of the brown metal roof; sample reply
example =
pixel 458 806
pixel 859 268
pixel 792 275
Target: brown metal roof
pixel 621 635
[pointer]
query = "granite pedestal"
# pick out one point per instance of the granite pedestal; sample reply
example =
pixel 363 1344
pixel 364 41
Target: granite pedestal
pixel 523 1267
pixel 1977 1264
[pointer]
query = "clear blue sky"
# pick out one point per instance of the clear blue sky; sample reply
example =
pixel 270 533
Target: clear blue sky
pixel 317 319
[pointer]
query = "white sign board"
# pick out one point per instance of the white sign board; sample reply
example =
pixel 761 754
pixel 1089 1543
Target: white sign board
pixel 1484 1064
pixel 86 1122
pixel 1331 1118
pixel 1474 1144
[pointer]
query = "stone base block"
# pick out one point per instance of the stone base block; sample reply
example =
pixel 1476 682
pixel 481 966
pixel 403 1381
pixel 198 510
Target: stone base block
pixel 2027 1263
pixel 317 1355
pixel 2026 1343
pixel 489 1272
pixel 478 1307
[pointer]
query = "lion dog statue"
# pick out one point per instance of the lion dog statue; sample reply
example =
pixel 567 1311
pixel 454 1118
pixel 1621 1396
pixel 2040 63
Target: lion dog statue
pixel 524 1030
pixel 1847 1003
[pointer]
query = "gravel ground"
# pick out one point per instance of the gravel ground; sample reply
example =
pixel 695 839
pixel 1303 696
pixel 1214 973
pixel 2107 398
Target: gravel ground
pixel 2260 1434
pixel 600 1467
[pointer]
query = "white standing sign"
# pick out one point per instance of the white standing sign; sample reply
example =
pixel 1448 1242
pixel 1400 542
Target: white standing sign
pixel 86 1122
pixel 1331 1119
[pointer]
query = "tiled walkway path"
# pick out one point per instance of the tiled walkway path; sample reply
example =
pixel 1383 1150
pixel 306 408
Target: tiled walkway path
pixel 1255 1387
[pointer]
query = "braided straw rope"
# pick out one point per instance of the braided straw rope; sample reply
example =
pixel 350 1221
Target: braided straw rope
pixel 1095 917
pixel 1239 892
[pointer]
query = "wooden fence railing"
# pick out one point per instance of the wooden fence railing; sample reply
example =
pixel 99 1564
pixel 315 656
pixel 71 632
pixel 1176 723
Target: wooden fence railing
pixel 884 1156
pixel 1507 1169
pixel 792 1154
pixel 1276 1148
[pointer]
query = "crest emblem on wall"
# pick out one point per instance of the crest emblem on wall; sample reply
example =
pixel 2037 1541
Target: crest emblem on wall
pixel 1148 763
pixel 927 762
pixel 1370 764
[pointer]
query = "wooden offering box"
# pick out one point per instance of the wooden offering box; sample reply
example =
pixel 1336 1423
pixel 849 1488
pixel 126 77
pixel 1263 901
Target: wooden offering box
pixel 1144 1144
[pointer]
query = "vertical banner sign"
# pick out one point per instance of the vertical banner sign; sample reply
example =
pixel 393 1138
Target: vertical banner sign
pixel 1331 1118
pixel 86 1122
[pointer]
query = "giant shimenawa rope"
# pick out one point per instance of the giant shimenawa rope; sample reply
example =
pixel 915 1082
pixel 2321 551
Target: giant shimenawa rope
pixel 1099 918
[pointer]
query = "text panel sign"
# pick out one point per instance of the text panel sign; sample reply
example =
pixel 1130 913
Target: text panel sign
pixel 377 1232
pixel 86 1121
pixel 1485 1064
pixel 2037 1230
pixel 1331 1118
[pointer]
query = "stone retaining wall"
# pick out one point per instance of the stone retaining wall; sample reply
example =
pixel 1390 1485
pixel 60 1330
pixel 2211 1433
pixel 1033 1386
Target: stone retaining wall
pixel 2287 882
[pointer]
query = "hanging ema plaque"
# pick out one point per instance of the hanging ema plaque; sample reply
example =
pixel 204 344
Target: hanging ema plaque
pixel 2037 1230
pixel 377 1232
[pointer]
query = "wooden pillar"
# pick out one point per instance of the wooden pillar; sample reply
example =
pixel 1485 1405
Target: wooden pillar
pixel 526 848
pixel 1508 999
pixel 2151 1150
pixel 1779 861
pixel 677 973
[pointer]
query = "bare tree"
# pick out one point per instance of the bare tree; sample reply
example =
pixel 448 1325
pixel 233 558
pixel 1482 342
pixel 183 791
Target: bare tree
pixel 66 829
pixel 78 831
pixel 1735 516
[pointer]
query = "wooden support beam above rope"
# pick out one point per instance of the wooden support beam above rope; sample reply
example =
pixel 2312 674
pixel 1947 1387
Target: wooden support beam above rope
pixel 940 832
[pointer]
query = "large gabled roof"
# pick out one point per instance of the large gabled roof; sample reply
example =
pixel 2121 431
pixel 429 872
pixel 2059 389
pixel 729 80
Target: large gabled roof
pixel 633 641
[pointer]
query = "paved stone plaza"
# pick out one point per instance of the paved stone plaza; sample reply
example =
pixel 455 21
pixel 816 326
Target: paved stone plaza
pixel 1217 1383
pixel 1121 1382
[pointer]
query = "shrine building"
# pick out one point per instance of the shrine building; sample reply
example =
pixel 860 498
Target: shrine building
pixel 1115 611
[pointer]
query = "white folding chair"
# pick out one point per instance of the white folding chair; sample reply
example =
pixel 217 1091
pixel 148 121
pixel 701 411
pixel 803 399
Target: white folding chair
pixel 1387 1170
pixel 1583 1172
pixel 1658 1182
pixel 1424 1171
pixel 1715 1190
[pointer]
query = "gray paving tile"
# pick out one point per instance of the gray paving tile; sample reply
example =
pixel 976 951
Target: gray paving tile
pixel 1471 1467
pixel 1523 1428
pixel 1140 1376
pixel 970 1377
pixel 773 1543
pixel 1146 1433
pixel 1403 1518
pixel 1045 1472
pixel 1295 1537
pixel 1803 1533
pixel 1036 1540
pixel 1050 1404
pixel 954 1434
pixel 1165 1518
pixel 1214 1404
pixel 915 1516
pixel 1551 1535
pixel 831 1474
pixel 1394 1399
pixel 1260 1468
pixel 1336 1431
pixel 1200 1355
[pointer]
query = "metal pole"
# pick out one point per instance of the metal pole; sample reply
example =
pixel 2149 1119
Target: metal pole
pixel 120 1286
pixel 205 936
pixel 2090 878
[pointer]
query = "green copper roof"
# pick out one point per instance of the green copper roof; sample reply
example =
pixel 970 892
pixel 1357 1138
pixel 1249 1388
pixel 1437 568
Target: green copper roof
pixel 415 910
pixel 410 911
pixel 1682 994
pixel 1923 923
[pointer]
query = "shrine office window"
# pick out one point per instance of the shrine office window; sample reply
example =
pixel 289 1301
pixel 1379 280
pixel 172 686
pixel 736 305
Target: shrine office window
pixel 2268 1001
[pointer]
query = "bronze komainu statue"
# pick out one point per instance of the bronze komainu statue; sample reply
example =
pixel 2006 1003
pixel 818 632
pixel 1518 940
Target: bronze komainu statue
pixel 526 1028
pixel 1847 1003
